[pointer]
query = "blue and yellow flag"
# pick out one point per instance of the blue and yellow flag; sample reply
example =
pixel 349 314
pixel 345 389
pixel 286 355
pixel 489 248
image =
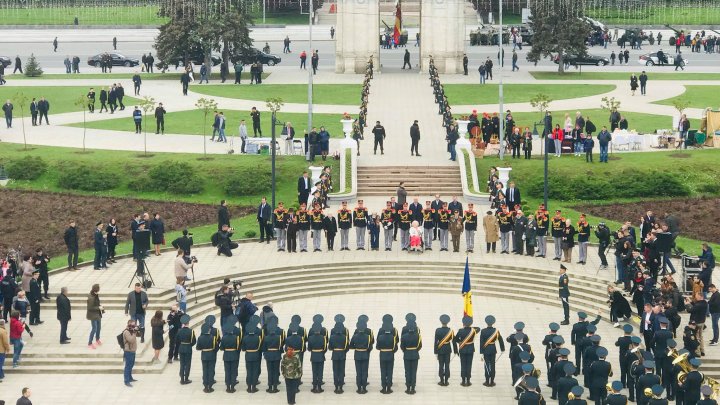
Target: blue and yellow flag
pixel 466 291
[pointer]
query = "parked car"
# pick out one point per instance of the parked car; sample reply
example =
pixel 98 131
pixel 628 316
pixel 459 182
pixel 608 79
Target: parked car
pixel 198 58
pixel 575 60
pixel 117 60
pixel 253 55
pixel 6 61
pixel 651 59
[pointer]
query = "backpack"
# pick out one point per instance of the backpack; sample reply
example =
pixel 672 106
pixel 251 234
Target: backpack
pixel 241 311
pixel 215 239
pixel 121 340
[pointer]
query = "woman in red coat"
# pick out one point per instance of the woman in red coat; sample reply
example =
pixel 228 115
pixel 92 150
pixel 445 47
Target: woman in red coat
pixel 16 329
pixel 558 135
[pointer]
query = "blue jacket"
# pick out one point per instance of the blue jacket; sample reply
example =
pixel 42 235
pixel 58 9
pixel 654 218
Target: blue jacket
pixel 604 137
pixel 137 115
pixel 589 144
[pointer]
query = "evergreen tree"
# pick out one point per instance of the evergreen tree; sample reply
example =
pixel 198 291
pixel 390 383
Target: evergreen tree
pixel 32 69
pixel 558 30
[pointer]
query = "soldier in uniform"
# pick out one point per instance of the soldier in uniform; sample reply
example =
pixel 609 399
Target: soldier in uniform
pixel 339 344
pixel 410 344
pixel 590 345
pixel 656 398
pixel 404 219
pixel 317 222
pixel 387 345
pixel 230 345
pixel 554 357
pixel 647 380
pixel 519 348
pixel 693 382
pixel 444 339
pixel 317 345
pixel 186 339
pixel 362 343
pixel 296 337
pixel 208 344
pixel 470 218
pixel 707 393
pixel 616 397
pixel 575 397
pixel 634 359
pixel 557 227
pixel 360 223
pixel 252 341
pixel 600 371
pixel 518 328
pixel 465 338
pixel 579 330
pixel 488 337
pixel 550 346
pixel 345 220
pixel 443 216
pixel 387 219
pixel 531 396
pixel 542 227
pixel 280 217
pixel 670 376
pixel 565 384
pixel 272 351
pixel 303 220
pixel 428 221
pixel 564 293
pixel 623 344
pixel 505 220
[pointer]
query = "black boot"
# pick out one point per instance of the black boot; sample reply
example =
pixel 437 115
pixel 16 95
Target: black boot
pixel 142 335
pixel 412 390
pixel 407 390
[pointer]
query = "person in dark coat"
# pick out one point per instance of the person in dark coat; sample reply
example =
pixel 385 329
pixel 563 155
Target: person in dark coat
pixel 223 215
pixel 64 314
pixel 415 138
pixel 35 298
pixel 157 227
pixel 410 344
pixel 103 100
pixel 230 345
pixel 331 228
pixel 619 306
pixel 208 343
pixel 338 344
pixel 186 340
pixel 98 244
pixel 40 262
pixel 112 239
pixel 264 219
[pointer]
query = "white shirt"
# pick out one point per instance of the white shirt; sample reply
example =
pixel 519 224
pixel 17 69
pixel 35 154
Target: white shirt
pixel 243 131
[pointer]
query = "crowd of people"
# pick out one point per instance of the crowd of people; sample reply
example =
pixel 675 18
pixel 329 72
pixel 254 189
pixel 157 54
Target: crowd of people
pixel 359 124
pixel 451 136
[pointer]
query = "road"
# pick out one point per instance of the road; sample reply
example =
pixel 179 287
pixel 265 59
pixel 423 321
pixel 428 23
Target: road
pixel 135 42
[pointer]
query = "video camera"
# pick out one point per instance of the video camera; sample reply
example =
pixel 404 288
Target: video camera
pixel 235 293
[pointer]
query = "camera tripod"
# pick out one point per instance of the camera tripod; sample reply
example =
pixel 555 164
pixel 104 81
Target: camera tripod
pixel 142 274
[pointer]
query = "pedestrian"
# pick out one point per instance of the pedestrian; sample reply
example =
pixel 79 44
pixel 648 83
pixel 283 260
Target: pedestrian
pixel 8 109
pixel 185 80
pixel 255 116
pixel 35 297
pixel 55 44
pixel 114 42
pixel 76 64
pixel 406 60
pixel 324 143
pixel 137 81
pixel 332 32
pixel 589 144
pixel 379 133
pixel 157 325
pixel 160 119
pixel 34 111
pixel 204 74
pixel 286 44
pixel 17 326
pixel 43 107
pixel 451 138
pixel 98 262
pixel 714 309
pixel 94 314
pixel 303 59
pixel 135 306
pixel 137 118
pixel 414 139
pixel 633 83
pixel 64 314
pixel 242 131
pixel 18 65
pixel 291 368
pixel 612 58
pixel 288 134
pixel 24 399
pixel 238 67
pixel 103 100
pixel 112 98
pixel 157 227
pixel 67 64
pixel 465 64
pixel 514 61
pixel 129 348
pixel 314 61
pixel 150 63
pixel 483 71
pixel 604 138
pixel 643 82
pixel 4 347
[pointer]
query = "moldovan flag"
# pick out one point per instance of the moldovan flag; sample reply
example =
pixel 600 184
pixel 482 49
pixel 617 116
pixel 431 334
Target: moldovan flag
pixel 398 24
pixel 466 292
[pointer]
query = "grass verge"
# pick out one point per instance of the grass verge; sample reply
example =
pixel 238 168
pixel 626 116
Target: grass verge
pixel 343 94
pixel 462 94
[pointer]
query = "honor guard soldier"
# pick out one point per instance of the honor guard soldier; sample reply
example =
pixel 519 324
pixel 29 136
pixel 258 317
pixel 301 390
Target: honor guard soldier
pixel 186 340
pixel 557 227
pixel 616 397
pixel 362 343
pixel 280 217
pixel 387 219
pixel 600 372
pixel 623 344
pixel 549 345
pixel 488 337
pixel 579 330
pixel 272 351
pixel 590 345
pixel 465 338
pixel 387 345
pixel 647 380
pixel 565 384
pixel 541 216
pixel 404 219
pixel 671 373
pixel 443 217
pixel 345 221
pixel 522 372
pixel 317 220
pixel 519 327
pixel 410 344
pixel 296 337
pixel 554 373
pixel 339 344
pixel 564 293
pixel 470 219
pixel 208 344
pixel 519 349
pixel 428 222
pixel 444 346
pixel 252 341
pixel 531 396
pixel 303 220
pixel 707 393
pixel 360 223
pixel 693 382
pixel 656 396
pixel 575 396
pixel 230 345
pixel 317 344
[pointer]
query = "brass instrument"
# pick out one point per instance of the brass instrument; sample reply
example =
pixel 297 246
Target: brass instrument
pixel 640 359
pixel 520 383
pixel 571 396
pixel 682 361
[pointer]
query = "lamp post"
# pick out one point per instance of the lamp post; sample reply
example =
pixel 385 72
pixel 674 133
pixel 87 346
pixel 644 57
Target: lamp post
pixel 501 60
pixel 273 105
pixel 545 175
pixel 310 71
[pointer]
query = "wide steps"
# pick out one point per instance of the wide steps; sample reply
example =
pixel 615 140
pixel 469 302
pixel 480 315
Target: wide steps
pixel 419 180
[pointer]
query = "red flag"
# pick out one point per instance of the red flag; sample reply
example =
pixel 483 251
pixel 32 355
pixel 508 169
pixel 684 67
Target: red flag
pixel 398 24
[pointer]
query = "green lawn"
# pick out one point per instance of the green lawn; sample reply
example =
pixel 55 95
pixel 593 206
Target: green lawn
pixel 653 14
pixel 669 75
pixel 169 75
pixel 61 98
pixel 462 94
pixel 191 122
pixel 344 94
pixel 698 96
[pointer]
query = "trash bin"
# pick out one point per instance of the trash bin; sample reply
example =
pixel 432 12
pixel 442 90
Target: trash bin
pixel 265 150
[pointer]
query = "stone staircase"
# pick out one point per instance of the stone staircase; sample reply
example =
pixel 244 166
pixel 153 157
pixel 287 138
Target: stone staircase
pixel 419 180
pixel 410 12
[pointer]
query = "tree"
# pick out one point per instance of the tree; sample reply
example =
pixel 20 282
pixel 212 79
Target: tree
pixel 558 30
pixel 205 105
pixel 32 68
pixel 21 100
pixel 609 103
pixel 541 102
pixel 681 104
pixel 81 102
pixel 147 105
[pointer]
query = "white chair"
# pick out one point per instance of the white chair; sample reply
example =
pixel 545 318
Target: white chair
pixel 298 147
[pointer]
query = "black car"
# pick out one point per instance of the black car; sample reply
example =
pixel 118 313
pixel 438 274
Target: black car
pixel 6 61
pixel 253 55
pixel 574 60
pixel 198 58
pixel 117 60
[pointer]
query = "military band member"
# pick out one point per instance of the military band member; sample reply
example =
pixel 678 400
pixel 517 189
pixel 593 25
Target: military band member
pixel 693 382
pixel 362 343
pixel 671 373
pixel 656 396
pixel 470 219
pixel 521 372
pixel 615 397
pixel 623 344
pixel 465 338
pixel 635 358
pixel 360 215
pixel 303 220
pixel 339 344
pixel 387 219
pixel 505 220
pixel 272 351
pixel 518 328
pixel 251 344
pixel 564 385
pixel 230 345
pixel 444 346
pixel 404 219
pixel 531 396
pixel 541 216
pixel 575 397
pixel 443 218
pixel 345 220
pixel 578 333
pixel 428 221
pixel 317 345
pixel 410 344
pixel 296 337
pixel 564 294
pixel 707 394
pixel 387 345
pixel 317 222
pixel 186 339
pixel 489 336
pixel 660 349
pixel 590 345
pixel 554 373
pixel 519 351
pixel 280 224
pixel 600 372
pixel 557 227
pixel 647 380
pixel 550 346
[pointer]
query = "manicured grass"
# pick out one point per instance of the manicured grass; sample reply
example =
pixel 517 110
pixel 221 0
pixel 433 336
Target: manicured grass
pixel 343 94
pixel 670 75
pixel 171 74
pixel 132 164
pixel 61 98
pixel 191 122
pixel 287 18
pixel 98 15
pixel 698 96
pixel 462 94
pixel 657 13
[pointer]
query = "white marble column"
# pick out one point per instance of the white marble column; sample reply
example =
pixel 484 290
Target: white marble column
pixel 357 35
pixel 442 34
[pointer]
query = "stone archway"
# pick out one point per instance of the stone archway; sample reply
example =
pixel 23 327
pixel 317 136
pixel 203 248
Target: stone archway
pixel 442 27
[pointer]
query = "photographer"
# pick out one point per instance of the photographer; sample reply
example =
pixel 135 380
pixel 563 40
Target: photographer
pixel 40 261
pixel 619 307
pixel 184 242
pixel 603 234
pixel 225 244
pixel 664 246
pixel 698 312
pixel 183 265
pixel 224 300
pixel 129 349
pixel 135 305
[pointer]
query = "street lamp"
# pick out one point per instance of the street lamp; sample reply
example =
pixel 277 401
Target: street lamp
pixel 545 178
pixel 273 105
pixel 501 60
pixel 310 71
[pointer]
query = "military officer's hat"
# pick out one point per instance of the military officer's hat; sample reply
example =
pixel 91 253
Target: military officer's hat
pixel 210 320
pixel 318 319
pixel 293 328
pixel 410 317
pixel 657 389
pixel 683 351
pixel 663 320
pixel 582 315
pixel 706 390
pixel 519 337
pixel 532 383
pixel 591 328
pixel 339 318
pixel 564 351
pixel 649 364
pixel 387 318
pixel 562 267
pixel 628 328
pixel 558 340
pixel 185 319
pixel 36 271
pixel 519 326
pixel 601 352
pixel 271 325
pixel 467 320
pixel 569 368
pixel 296 319
pixel 444 319
pixel 524 356
pixel 527 368
pixel 616 386
pixel 695 362
pixel 636 340
pixel 411 326
pixel 363 318
pixel 554 326
pixel 577 391
pixel 490 320
pixel 671 343
pixel 595 338
pixel 228 328
pixel 361 326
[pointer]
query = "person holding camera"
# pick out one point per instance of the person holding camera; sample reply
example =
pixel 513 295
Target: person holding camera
pixel 129 349
pixel 224 301
pixel 603 234
pixel 185 243
pixel 135 306
pixel 182 264
pixel 225 245
pixel 698 309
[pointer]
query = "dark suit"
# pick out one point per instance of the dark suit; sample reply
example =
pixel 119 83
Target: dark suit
pixel 513 197
pixel 63 315
pixel 456 206
pixel 34 112
pixel 416 212
pixel 264 218
pixel 303 189
pixel 223 217
pixel 436 205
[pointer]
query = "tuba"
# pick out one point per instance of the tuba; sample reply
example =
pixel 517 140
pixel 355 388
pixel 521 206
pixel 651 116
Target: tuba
pixel 680 360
